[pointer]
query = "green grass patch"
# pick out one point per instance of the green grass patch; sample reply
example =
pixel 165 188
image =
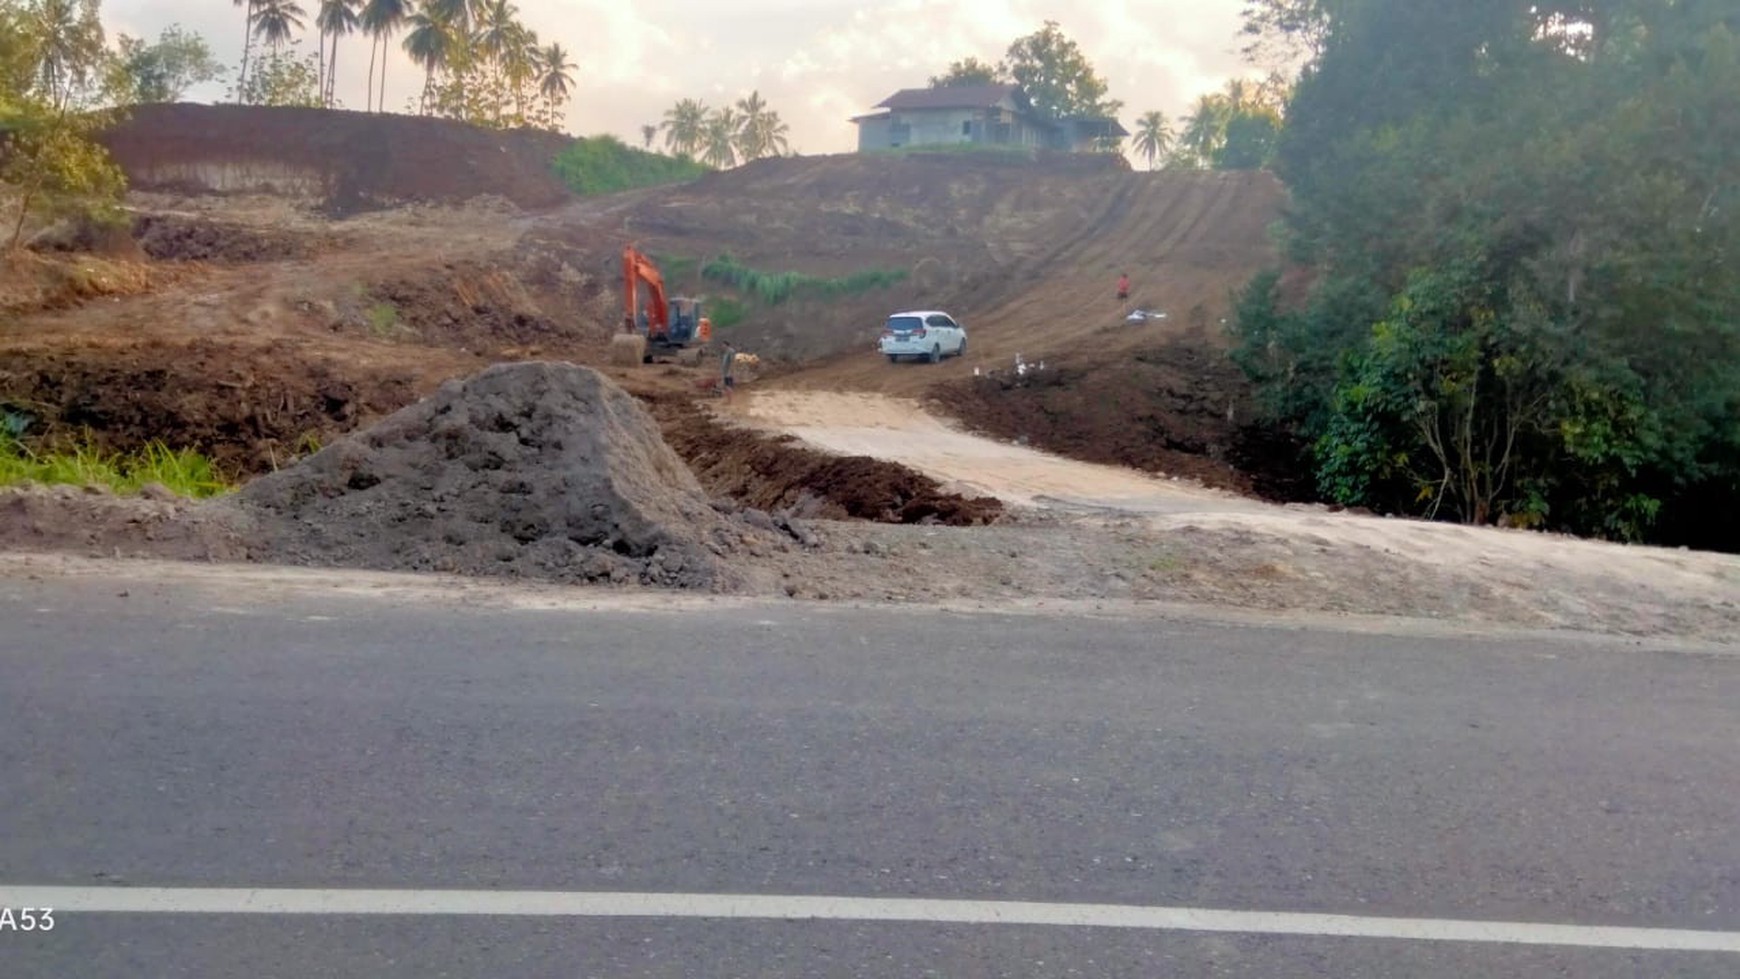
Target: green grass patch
pixel 183 472
pixel 726 312
pixel 383 319
pixel 675 269
pixel 607 165
pixel 774 288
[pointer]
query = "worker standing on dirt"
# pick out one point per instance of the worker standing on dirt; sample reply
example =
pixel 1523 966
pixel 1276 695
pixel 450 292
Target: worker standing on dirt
pixel 726 363
pixel 1123 286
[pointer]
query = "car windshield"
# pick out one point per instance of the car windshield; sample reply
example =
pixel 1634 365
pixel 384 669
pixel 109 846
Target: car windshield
pixel 904 324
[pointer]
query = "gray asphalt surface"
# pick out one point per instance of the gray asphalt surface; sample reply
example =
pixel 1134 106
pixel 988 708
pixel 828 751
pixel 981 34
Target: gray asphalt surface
pixel 176 738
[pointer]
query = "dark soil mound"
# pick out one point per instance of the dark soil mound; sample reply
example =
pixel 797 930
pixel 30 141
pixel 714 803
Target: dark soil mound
pixel 350 160
pixel 535 470
pixel 171 237
pixel 1160 410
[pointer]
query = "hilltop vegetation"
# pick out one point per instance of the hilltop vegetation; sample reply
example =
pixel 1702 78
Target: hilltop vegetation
pixel 1523 245
pixel 606 165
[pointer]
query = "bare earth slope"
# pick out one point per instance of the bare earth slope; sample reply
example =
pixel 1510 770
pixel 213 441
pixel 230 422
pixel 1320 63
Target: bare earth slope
pixel 1188 240
pixel 259 327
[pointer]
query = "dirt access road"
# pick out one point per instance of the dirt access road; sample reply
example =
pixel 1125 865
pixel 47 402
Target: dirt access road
pixel 905 431
pixel 1080 530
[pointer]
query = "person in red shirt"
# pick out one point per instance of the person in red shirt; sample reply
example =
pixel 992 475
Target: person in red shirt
pixel 1124 285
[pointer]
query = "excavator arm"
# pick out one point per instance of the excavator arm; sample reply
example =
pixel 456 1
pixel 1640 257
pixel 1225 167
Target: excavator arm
pixel 637 269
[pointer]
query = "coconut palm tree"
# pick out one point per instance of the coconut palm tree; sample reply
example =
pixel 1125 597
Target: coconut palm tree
pixel 1205 127
pixel 1153 136
pixel 68 41
pixel 276 21
pixel 685 127
pixel 380 19
pixel 648 133
pixel 337 18
pixel 555 77
pixel 751 136
pixel 764 135
pixel 721 138
pixel 247 45
pixel 458 14
pixel 429 42
pixel 499 38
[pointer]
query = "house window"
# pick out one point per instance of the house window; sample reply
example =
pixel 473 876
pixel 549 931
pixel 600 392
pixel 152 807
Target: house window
pixel 966 127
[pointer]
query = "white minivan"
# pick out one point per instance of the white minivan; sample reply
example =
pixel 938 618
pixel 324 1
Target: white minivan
pixel 927 333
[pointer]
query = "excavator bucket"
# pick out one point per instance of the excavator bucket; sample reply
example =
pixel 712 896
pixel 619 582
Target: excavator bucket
pixel 627 350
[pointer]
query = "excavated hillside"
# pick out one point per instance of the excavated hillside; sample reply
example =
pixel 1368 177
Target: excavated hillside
pixel 254 322
pixel 275 323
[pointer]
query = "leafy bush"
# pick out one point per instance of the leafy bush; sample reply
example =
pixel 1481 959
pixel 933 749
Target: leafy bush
pixel 774 288
pixel 607 165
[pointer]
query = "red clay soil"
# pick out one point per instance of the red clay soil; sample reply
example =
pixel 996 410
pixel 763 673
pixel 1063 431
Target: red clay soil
pixel 351 160
pixel 774 474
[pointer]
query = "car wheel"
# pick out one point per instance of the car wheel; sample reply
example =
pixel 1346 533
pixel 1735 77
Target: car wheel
pixel 961 351
pixel 936 353
pixel 894 358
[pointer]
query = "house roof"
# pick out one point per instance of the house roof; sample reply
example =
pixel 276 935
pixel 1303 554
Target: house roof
pixel 1098 125
pixel 949 97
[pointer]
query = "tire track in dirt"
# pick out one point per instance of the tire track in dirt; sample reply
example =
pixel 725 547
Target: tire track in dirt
pixel 1188 239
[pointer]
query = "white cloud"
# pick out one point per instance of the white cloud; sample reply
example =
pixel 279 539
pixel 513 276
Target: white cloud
pixel 817 62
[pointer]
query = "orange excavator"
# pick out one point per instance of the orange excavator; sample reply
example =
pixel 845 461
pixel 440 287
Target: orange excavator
pixel 665 324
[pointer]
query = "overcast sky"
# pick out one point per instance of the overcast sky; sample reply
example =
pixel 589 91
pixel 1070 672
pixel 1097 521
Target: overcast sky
pixel 816 62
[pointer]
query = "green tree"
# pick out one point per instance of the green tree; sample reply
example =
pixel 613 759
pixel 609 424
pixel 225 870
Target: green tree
pixel 555 76
pixel 428 42
pixel 165 70
pixel 1249 140
pixel 61 85
pixel 1284 33
pixel 761 132
pixel 685 127
pixel 1522 244
pixel 970 71
pixel 1057 76
pixel 1154 137
pixel 720 138
pixel 282 78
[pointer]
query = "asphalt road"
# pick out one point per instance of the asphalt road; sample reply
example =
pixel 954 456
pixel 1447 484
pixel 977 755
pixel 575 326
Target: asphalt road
pixel 179 737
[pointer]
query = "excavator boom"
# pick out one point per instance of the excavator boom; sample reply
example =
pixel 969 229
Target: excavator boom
pixel 636 269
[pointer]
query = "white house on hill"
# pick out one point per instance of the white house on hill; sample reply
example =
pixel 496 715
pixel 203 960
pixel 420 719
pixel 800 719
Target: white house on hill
pixel 998 115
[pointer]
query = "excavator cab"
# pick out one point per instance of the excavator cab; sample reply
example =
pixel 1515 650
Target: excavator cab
pixel 688 324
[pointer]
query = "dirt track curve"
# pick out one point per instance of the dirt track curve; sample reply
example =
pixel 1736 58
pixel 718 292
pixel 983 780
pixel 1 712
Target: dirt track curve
pixel 1188 240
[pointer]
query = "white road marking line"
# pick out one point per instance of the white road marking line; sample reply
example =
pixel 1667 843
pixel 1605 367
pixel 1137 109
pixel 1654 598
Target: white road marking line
pixel 604 904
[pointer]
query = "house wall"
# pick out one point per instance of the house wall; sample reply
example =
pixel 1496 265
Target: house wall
pixel 932 127
pixel 937 127
pixel 873 135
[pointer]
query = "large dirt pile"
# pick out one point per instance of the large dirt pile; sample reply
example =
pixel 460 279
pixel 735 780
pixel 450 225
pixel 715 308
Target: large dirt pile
pixel 349 160
pixel 536 470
